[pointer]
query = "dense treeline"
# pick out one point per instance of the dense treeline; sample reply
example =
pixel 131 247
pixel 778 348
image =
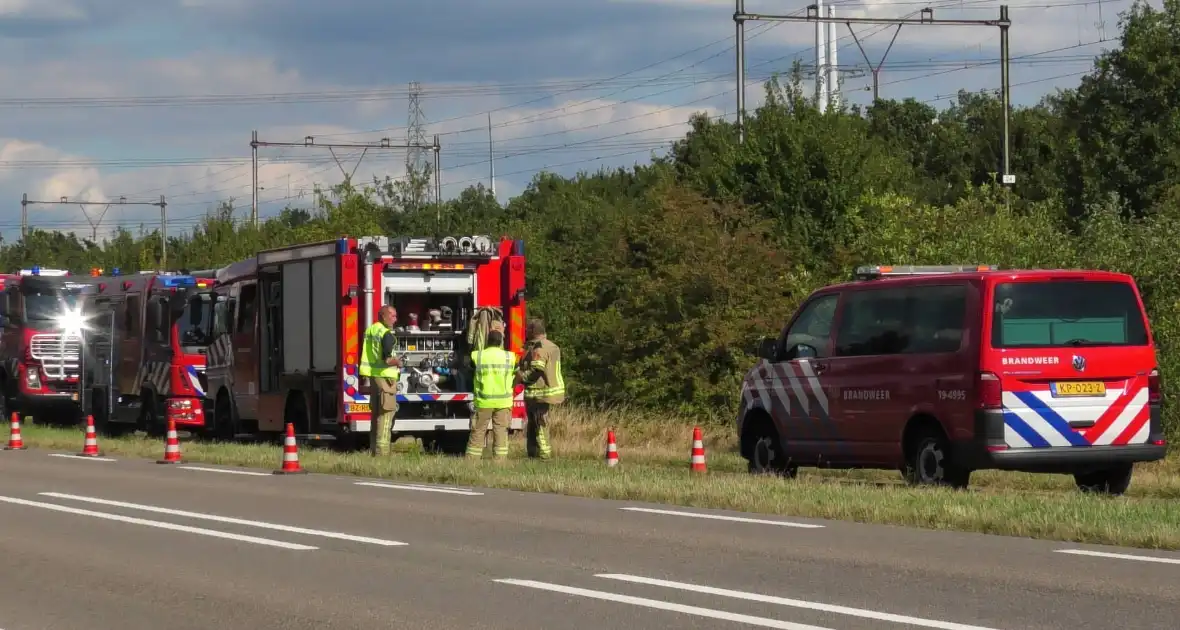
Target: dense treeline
pixel 658 279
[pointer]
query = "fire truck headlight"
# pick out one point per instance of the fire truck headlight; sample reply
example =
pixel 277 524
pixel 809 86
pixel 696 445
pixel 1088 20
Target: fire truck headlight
pixel 72 322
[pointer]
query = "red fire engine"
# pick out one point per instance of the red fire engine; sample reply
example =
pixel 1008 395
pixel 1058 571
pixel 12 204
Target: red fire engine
pixel 147 347
pixel 289 323
pixel 40 356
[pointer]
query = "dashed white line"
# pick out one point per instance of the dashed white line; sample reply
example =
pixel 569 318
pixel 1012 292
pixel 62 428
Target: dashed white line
pixel 721 517
pixel 227 471
pixel 83 457
pixel 396 486
pixel 1118 556
pixel 161 525
pixel 761 622
pixel 228 519
pixel 794 603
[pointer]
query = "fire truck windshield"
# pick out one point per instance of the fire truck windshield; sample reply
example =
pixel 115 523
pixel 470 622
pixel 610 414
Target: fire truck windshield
pixel 48 305
pixel 193 326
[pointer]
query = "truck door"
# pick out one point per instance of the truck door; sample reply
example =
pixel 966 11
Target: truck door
pixel 246 352
pixel 130 348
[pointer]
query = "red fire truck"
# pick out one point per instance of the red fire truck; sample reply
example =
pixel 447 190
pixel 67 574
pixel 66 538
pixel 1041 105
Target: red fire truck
pixel 40 354
pixel 146 345
pixel 289 323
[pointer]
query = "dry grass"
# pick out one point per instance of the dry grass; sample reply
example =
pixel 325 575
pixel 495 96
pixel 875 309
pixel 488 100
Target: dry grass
pixel 654 454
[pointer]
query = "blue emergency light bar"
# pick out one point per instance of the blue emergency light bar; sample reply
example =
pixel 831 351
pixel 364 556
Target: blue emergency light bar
pixel 178 281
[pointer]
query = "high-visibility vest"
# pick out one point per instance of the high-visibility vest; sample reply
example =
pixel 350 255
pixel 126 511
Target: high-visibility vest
pixel 371 363
pixel 493 377
pixel 541 388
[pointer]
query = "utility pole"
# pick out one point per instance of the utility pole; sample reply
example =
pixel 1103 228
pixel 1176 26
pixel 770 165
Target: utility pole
pixel 821 61
pixel 163 233
pixel 491 158
pixel 162 204
pixel 254 178
pixel 739 20
pixel 926 18
pixel 309 142
pixel 833 63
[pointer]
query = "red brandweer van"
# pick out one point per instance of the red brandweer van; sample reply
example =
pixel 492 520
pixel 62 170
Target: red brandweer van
pixel 941 371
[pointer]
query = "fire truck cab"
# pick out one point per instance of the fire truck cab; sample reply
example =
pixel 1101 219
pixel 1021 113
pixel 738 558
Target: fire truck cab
pixel 289 324
pixel 146 337
pixel 40 346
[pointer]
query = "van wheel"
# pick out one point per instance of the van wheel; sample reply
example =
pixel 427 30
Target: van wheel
pixel 766 453
pixel 1112 481
pixel 930 463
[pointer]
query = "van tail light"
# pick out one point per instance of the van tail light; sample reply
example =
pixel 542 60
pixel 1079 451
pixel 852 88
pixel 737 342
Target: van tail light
pixel 1153 387
pixel 988 391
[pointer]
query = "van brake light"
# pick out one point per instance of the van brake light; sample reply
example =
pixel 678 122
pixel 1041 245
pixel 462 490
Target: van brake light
pixel 989 393
pixel 1153 387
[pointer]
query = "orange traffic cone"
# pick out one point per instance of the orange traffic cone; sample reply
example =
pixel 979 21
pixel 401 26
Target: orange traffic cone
pixel 15 443
pixel 171 446
pixel 698 451
pixel 90 446
pixel 290 454
pixel 612 449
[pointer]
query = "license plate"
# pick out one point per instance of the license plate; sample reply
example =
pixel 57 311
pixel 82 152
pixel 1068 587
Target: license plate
pixel 357 408
pixel 1079 388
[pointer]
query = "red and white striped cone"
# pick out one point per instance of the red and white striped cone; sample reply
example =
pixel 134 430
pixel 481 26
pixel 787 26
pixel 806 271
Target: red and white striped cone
pixel 15 443
pixel 290 454
pixel 612 449
pixel 90 446
pixel 171 446
pixel 698 451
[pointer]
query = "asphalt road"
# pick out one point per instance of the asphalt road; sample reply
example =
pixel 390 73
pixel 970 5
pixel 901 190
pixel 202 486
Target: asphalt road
pixel 129 544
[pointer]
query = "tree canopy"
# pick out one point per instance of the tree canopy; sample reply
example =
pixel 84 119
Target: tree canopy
pixel 658 280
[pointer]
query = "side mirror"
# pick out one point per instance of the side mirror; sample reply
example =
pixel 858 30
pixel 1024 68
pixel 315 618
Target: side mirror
pixel 767 348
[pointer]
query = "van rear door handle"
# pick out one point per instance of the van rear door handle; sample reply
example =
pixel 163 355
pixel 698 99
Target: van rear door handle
pixel 819 367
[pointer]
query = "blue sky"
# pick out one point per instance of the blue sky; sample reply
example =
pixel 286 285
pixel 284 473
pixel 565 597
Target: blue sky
pixel 138 98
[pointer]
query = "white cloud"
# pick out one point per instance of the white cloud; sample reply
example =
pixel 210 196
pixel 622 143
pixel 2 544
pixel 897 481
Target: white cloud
pixel 43 9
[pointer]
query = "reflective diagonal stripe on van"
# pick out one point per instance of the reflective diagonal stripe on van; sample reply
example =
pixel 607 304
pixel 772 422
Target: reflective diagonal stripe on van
pixel 1034 418
pixel 791 393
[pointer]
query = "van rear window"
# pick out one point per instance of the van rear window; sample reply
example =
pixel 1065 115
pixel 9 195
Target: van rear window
pixel 1071 313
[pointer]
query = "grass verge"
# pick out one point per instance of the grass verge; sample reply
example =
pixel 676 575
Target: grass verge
pixel 654 453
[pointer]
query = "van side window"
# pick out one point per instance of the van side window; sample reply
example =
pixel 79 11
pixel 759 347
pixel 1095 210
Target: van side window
pixel 937 316
pixel 813 327
pixel 874 323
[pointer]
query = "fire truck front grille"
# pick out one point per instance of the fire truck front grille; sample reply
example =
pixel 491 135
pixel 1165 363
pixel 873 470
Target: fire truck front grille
pixel 56 357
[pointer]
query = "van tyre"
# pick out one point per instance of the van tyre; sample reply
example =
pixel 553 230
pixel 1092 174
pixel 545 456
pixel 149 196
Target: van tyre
pixel 766 454
pixel 1111 481
pixel 931 464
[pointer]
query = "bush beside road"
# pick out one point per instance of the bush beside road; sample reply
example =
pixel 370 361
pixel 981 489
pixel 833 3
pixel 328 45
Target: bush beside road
pixel 654 468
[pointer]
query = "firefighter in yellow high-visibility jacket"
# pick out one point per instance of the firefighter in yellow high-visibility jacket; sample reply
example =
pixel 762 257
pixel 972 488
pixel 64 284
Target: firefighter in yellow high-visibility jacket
pixel 540 372
pixel 383 370
pixel 493 397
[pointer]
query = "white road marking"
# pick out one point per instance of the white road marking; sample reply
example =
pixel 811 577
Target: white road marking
pixel 228 519
pixel 795 603
pixel 83 457
pixel 1118 556
pixel 170 526
pixel 720 517
pixel 397 486
pixel 761 622
pixel 227 471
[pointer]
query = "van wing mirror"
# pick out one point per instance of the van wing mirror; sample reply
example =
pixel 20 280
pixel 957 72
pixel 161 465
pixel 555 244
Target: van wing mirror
pixel 767 348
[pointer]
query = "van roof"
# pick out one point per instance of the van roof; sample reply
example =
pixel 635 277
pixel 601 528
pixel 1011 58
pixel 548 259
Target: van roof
pixel 994 276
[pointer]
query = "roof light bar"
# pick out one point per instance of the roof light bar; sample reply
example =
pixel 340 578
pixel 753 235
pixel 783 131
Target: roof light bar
pixel 871 272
